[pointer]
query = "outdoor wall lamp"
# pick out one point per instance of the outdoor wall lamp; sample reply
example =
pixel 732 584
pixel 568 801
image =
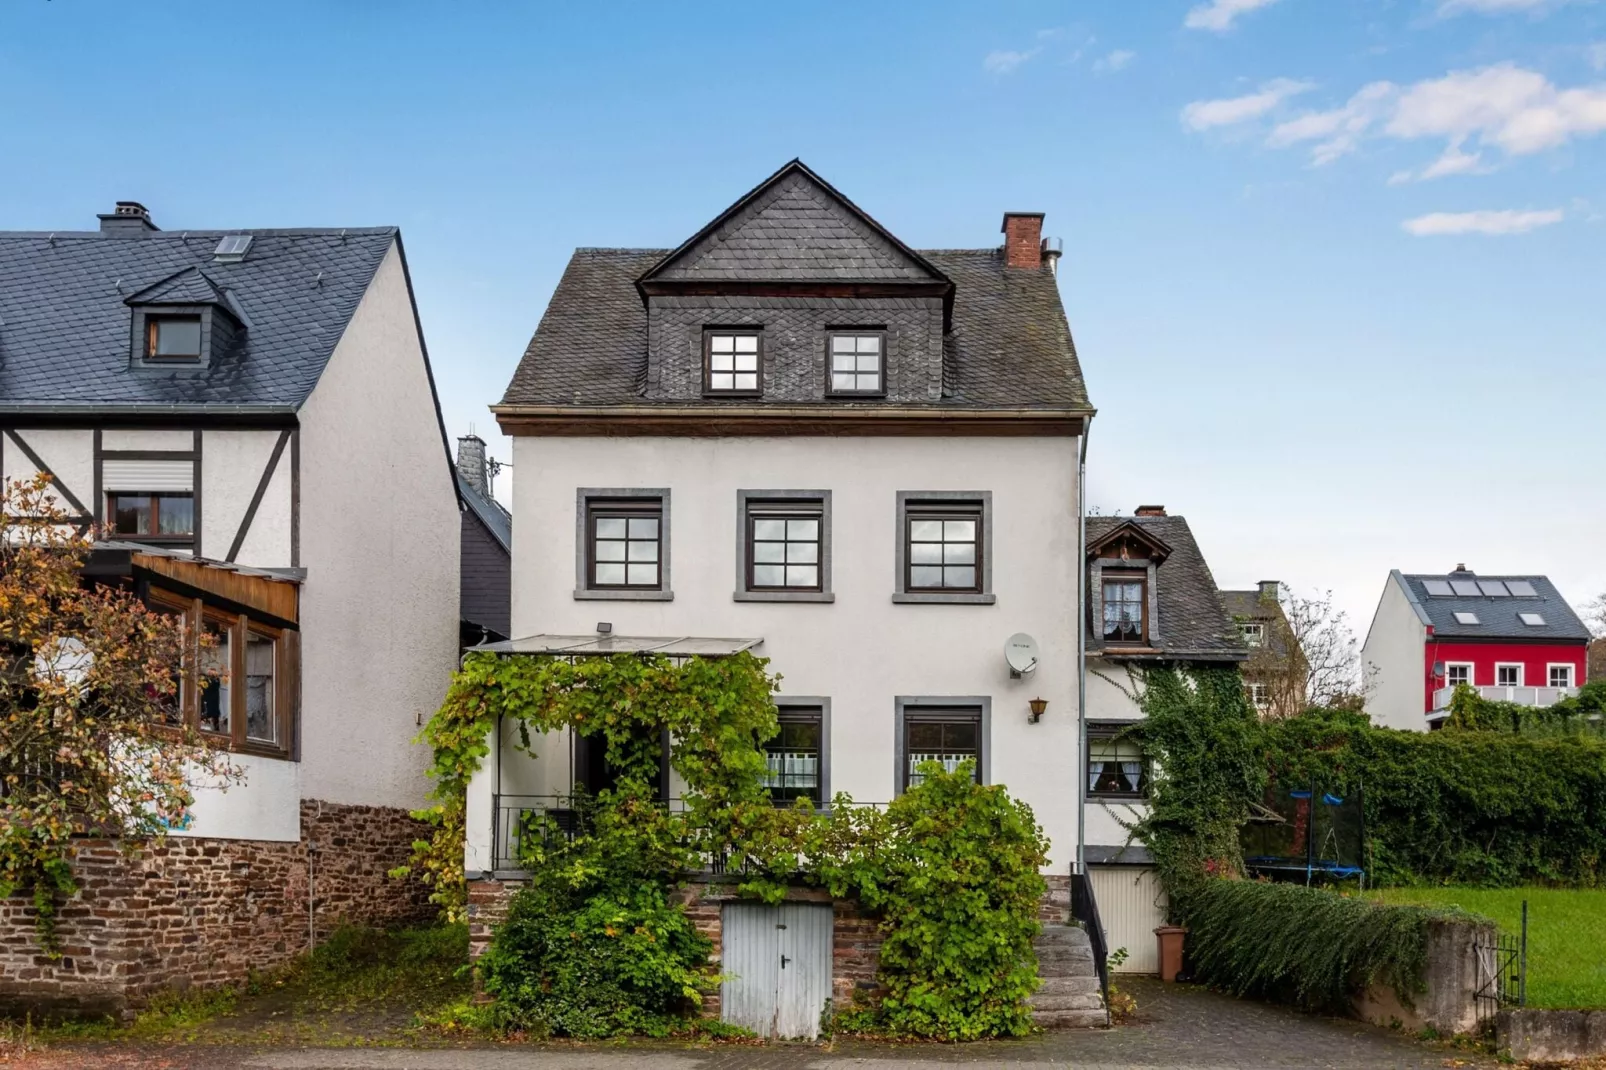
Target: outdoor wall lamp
pixel 1038 705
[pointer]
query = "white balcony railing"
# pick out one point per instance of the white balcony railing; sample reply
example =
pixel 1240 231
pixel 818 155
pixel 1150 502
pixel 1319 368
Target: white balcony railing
pixel 1522 696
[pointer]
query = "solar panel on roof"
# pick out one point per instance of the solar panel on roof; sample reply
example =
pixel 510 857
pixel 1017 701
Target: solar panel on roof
pixel 1465 587
pixel 1522 588
pixel 1532 620
pixel 231 248
pixel 1493 588
pixel 1467 618
pixel 1437 587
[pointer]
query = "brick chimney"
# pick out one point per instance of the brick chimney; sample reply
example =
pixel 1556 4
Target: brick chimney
pixel 128 220
pixel 471 463
pixel 1149 510
pixel 1023 239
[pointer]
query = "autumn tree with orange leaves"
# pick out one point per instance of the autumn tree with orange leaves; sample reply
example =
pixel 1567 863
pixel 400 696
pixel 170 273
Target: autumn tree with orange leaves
pixel 88 679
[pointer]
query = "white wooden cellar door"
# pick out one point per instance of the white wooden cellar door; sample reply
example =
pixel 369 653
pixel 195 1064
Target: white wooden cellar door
pixel 777 963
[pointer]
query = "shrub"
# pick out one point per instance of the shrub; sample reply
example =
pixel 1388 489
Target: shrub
pixel 956 882
pixel 1308 946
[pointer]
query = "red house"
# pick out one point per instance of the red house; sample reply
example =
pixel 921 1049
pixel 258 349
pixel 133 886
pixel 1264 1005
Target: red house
pixel 1514 638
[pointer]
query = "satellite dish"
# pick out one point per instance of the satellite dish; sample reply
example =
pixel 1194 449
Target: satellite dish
pixel 1021 653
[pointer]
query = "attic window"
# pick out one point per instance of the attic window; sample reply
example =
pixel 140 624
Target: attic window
pixel 173 338
pixel 731 364
pixel 231 248
pixel 1532 620
pixel 856 364
pixel 1467 618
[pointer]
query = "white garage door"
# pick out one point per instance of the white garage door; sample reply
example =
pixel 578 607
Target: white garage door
pixel 777 963
pixel 1131 905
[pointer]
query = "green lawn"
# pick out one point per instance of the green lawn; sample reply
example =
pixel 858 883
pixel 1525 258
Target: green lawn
pixel 1566 935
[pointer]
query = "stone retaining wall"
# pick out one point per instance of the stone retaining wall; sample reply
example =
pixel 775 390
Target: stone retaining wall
pixel 1540 1036
pixel 206 912
pixel 1452 978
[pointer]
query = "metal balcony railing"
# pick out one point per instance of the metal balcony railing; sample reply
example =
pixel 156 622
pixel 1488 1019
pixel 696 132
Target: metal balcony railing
pixel 1522 696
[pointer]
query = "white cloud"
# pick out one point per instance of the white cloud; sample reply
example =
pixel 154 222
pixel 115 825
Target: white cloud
pixel 1229 111
pixel 1453 162
pixel 1505 221
pixel 1517 111
pixel 1118 60
pixel 1218 15
pixel 1005 62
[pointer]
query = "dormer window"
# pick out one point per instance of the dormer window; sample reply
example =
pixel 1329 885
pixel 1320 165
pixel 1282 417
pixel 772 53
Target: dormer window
pixel 857 365
pixel 730 362
pixel 173 338
pixel 1125 607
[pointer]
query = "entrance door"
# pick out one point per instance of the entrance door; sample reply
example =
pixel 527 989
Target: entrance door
pixel 778 964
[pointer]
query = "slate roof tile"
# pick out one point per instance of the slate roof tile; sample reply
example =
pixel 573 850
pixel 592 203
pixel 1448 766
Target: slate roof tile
pixel 1193 622
pixel 1498 616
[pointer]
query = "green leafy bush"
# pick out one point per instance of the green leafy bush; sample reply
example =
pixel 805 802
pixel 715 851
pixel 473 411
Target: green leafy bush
pixel 955 878
pixel 1309 946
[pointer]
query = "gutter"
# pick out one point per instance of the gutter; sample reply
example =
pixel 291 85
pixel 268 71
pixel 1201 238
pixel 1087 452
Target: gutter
pixel 703 411
pixel 1081 657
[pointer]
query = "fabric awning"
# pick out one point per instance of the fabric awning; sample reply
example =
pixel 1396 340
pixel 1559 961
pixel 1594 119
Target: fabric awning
pixel 587 646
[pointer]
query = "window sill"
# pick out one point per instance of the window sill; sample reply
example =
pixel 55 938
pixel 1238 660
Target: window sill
pixel 1106 797
pixel 940 598
pixel 583 595
pixel 782 596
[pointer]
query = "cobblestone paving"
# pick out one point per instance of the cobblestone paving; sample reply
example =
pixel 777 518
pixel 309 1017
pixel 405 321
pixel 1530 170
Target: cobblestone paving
pixel 1179 1028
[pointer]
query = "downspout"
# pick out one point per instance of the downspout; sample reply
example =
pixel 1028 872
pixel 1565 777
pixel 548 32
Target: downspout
pixel 1081 655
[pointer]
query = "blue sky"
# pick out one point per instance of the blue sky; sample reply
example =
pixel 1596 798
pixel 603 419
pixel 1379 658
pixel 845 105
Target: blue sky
pixel 1335 270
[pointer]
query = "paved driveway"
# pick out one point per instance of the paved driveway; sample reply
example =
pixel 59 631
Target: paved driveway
pixel 1178 1028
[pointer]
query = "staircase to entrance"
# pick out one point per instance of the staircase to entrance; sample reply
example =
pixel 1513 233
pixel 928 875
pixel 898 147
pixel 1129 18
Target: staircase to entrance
pixel 1070 993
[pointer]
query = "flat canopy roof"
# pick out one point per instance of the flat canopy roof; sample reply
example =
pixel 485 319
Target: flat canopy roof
pixel 583 646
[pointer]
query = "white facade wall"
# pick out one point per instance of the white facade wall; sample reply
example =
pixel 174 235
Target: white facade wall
pixel 379 541
pixel 1111 697
pixel 232 463
pixel 1392 662
pixel 69 455
pixel 862 650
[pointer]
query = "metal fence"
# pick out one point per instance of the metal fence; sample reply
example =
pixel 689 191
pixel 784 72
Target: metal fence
pixel 1502 979
pixel 1085 909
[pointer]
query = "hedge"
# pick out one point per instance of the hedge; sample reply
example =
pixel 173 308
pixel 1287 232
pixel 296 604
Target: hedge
pixel 1461 807
pixel 1309 946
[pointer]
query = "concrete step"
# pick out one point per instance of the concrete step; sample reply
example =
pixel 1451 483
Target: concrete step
pixel 1088 1002
pixel 1062 959
pixel 1070 1019
pixel 1056 935
pixel 1069 986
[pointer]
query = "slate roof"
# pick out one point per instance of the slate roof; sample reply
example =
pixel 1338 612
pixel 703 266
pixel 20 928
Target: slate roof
pixel 1497 616
pixel 1010 346
pixel 1193 624
pixel 65 327
pixel 1249 605
pixel 495 519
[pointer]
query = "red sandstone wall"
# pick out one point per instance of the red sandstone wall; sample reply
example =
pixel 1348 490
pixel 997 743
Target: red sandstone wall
pixel 207 912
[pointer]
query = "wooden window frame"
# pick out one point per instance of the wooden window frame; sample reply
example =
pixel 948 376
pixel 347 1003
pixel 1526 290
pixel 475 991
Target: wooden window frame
pixel 627 509
pixel 154 538
pixel 801 509
pixel 1112 734
pixel 848 332
pixel 709 334
pixel 1106 578
pixel 286 675
pixel 917 715
pixel 916 510
pixel 153 322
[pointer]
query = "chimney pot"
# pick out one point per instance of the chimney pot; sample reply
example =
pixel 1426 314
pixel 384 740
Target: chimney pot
pixel 1023 239
pixel 471 464
pixel 1149 510
pixel 1052 248
pixel 129 219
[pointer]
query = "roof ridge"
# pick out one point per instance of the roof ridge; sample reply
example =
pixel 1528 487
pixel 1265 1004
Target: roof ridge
pixel 217 232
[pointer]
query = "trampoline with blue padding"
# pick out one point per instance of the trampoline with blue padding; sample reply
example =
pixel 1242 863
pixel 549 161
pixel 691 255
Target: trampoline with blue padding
pixel 1302 834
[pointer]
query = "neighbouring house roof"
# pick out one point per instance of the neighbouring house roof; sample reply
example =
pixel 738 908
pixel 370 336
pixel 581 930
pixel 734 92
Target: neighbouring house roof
pixel 1192 624
pixel 65 321
pixel 495 519
pixel 1499 616
pixel 1257 606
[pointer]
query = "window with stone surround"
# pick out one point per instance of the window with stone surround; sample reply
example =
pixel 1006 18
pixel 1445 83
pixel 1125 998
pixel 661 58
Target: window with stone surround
pixel 731 361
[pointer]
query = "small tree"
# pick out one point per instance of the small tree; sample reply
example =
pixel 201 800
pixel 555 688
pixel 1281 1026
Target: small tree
pixel 1307 658
pixel 1595 617
pixel 89 682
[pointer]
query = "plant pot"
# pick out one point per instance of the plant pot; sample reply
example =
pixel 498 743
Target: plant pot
pixel 1170 939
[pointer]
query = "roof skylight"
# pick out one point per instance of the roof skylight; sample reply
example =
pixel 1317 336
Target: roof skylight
pixel 1467 618
pixel 1438 588
pixel 1522 588
pixel 231 248
pixel 1532 620
pixel 1465 587
pixel 1493 588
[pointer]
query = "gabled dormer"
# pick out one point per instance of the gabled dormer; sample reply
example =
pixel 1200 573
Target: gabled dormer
pixel 183 321
pixel 1123 567
pixel 794 294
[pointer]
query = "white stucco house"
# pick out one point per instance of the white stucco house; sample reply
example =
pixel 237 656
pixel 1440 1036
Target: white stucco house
pixel 247 419
pixel 1151 601
pixel 796 434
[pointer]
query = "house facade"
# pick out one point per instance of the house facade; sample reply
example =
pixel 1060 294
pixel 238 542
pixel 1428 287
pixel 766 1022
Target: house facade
pixel 247 421
pixel 1513 638
pixel 1152 602
pixel 795 434
pixel 1275 674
